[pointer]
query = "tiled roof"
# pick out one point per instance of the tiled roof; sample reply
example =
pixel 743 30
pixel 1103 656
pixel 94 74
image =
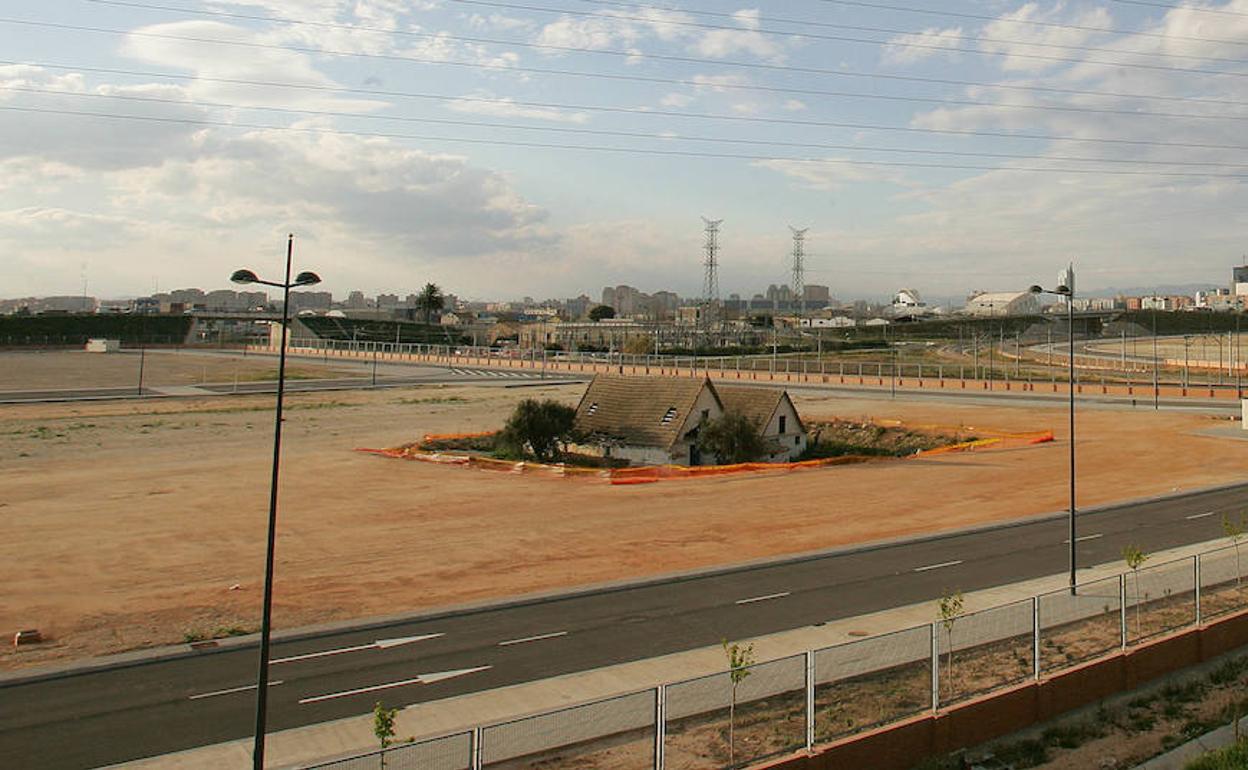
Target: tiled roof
pixel 757 404
pixel 640 411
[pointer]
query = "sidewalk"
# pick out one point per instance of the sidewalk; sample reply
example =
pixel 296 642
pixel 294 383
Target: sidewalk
pixel 299 746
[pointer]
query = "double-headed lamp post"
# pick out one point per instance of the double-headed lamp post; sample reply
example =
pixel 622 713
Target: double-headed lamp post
pixel 1069 294
pixel 262 676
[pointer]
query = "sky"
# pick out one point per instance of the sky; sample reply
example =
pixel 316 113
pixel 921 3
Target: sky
pixel 503 148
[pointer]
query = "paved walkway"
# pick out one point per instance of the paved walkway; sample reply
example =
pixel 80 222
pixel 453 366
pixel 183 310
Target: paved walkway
pixel 296 747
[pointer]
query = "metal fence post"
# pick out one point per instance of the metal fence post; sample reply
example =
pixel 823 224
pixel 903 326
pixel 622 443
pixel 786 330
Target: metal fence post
pixel 474 747
pixel 810 700
pixel 1196 575
pixel 935 670
pixel 1122 607
pixel 1035 637
pixel 660 724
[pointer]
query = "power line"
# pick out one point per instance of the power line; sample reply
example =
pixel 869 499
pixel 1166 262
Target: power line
pixel 1030 22
pixel 636 111
pixel 690 59
pixel 1219 11
pixel 814 23
pixel 619 150
pixel 665 137
pixel 694 83
pixel 804 23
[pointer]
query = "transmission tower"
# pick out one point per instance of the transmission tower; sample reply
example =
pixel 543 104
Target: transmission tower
pixel 799 267
pixel 710 284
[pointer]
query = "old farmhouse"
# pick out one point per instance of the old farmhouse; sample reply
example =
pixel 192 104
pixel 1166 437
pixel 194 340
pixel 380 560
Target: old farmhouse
pixel 655 420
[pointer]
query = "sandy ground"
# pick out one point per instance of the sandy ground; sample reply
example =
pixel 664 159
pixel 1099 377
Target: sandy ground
pixel 35 370
pixel 128 524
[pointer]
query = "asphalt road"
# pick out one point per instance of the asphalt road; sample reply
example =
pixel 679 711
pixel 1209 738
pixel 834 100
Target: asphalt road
pixel 87 719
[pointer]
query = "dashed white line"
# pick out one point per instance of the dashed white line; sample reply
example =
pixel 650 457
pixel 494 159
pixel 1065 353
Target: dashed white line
pixel 764 598
pixel 1084 537
pixel 954 563
pixel 232 690
pixel 1199 515
pixel 537 638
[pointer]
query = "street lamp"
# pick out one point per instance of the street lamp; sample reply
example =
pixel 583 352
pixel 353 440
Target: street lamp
pixel 1069 294
pixel 262 676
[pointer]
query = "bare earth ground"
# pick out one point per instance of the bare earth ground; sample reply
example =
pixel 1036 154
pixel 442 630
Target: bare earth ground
pixel 37 370
pixel 127 524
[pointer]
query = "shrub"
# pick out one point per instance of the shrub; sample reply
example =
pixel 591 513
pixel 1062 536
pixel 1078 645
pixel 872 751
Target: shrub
pixel 538 428
pixel 732 438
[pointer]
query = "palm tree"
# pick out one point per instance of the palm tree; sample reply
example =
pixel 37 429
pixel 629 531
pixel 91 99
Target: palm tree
pixel 430 300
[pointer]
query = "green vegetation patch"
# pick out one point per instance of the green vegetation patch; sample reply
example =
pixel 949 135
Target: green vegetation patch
pixel 841 438
pixel 1233 757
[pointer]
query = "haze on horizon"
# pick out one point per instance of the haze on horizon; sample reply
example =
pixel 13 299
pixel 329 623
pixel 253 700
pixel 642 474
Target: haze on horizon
pixel 167 143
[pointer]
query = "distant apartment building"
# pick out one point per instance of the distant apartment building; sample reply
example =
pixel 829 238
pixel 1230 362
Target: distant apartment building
pixel 311 300
pixel 816 293
pixel 1097 304
pixel 356 301
pixel 576 308
pixel 387 301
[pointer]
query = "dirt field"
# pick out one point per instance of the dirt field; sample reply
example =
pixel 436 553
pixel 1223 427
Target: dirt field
pixel 128 524
pixel 35 370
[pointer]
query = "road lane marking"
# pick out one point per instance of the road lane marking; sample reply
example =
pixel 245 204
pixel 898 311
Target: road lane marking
pixel 1199 515
pixel 232 690
pixel 1084 537
pixel 421 679
pixel 764 598
pixel 380 644
pixel 537 638
pixel 954 563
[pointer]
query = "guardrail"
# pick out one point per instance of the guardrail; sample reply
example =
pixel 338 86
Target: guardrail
pixel 790 704
pixel 887 375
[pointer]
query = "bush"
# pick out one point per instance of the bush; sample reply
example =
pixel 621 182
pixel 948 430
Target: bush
pixel 537 428
pixel 732 438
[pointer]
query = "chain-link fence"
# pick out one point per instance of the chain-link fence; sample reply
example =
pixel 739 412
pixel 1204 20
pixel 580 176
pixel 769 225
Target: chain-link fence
pixel 452 752
pixel 1160 598
pixel 1080 625
pixel 725 723
pixel 871 682
pixel 1223 580
pixel 985 650
pixel 617 732
pixel 776 707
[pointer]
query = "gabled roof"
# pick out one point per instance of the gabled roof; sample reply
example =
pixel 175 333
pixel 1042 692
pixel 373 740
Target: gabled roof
pixel 641 411
pixel 757 404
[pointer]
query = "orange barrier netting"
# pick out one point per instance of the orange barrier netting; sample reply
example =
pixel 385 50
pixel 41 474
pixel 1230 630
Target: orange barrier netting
pixel 649 474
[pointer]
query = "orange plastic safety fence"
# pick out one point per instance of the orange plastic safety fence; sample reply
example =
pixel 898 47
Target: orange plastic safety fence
pixel 653 473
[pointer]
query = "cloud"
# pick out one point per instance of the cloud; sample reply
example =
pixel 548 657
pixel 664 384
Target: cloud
pixel 908 49
pixel 676 100
pixel 208 60
pixel 1015 41
pixel 722 43
pixel 835 173
pixel 508 108
pixel 39 130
